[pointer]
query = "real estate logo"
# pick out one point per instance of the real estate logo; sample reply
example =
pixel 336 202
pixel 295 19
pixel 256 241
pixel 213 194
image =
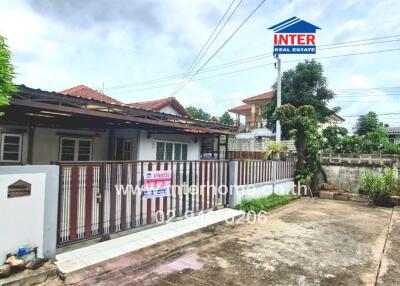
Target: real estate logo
pixel 294 36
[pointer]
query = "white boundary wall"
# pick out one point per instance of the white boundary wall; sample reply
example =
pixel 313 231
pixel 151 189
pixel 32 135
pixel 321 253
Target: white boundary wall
pixel 30 220
pixel 239 193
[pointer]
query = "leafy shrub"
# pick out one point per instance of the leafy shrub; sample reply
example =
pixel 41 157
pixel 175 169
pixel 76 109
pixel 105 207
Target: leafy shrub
pixel 265 203
pixel 380 187
pixel 275 149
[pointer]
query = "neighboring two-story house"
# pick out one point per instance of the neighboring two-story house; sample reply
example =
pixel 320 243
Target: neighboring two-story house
pixel 255 125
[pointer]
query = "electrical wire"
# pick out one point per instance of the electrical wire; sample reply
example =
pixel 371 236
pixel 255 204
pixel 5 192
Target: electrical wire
pixel 220 48
pixel 259 66
pixel 207 45
pixel 251 59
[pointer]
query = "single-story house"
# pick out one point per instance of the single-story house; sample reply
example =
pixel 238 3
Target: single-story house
pixel 82 124
pixel 394 134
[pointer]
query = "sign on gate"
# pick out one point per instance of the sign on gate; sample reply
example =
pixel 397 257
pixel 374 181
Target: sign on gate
pixel 157 184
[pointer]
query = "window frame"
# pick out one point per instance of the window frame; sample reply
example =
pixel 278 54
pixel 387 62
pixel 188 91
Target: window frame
pixel 124 141
pixel 76 147
pixel 3 135
pixel 124 151
pixel 173 150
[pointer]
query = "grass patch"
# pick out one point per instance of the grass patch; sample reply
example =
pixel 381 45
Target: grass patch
pixel 265 203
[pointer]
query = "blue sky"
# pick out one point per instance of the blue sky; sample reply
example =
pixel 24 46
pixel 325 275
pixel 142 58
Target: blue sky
pixel 60 44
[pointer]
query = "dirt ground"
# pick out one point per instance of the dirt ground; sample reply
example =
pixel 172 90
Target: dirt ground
pixel 308 242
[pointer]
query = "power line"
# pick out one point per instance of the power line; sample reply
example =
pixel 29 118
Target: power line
pixel 205 45
pixel 379 114
pixel 357 45
pixel 363 40
pixel 367 88
pixel 256 67
pixel 221 47
pixel 198 79
pixel 251 59
pixel 353 54
pixel 377 96
pixel 208 44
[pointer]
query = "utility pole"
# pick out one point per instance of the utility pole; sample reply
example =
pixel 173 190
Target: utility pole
pixel 278 97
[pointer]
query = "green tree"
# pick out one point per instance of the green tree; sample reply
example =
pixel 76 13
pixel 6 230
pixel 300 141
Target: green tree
pixel 367 123
pixel 6 74
pixel 303 85
pixel 198 113
pixel 303 128
pixel 226 119
pixel 333 138
pixel 373 142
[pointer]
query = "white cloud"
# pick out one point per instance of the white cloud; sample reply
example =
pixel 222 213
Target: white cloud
pixel 54 52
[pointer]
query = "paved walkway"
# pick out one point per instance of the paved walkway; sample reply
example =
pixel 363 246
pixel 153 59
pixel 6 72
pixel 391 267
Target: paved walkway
pixel 307 242
pixel 83 257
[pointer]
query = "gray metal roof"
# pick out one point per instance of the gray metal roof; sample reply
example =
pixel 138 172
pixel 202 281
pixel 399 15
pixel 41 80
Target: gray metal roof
pixel 393 130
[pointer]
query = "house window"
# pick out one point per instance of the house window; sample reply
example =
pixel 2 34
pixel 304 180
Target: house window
pixel 11 147
pixel 124 149
pixel 168 151
pixel 160 151
pixel 184 151
pixel 73 149
pixel 171 151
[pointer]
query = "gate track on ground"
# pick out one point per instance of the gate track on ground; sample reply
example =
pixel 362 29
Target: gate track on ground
pixel 384 247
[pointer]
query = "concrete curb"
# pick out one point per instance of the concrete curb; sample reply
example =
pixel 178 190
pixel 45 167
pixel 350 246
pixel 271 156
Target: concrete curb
pixel 340 196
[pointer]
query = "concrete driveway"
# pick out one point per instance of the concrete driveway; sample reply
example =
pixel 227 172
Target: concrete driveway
pixel 308 242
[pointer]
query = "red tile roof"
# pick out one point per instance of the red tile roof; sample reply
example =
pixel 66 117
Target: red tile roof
pixel 158 104
pixel 240 108
pixel 263 96
pixel 87 92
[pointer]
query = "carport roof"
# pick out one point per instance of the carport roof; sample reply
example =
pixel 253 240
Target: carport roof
pixel 35 106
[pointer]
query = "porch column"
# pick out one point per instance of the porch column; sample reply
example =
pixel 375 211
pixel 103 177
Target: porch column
pixel 111 144
pixel 31 131
pixel 253 117
pixel 218 143
pixel 237 119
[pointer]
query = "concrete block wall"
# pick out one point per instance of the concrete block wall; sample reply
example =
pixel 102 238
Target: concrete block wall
pixel 347 177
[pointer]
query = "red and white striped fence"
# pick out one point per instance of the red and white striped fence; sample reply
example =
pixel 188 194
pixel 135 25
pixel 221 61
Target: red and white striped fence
pixel 90 205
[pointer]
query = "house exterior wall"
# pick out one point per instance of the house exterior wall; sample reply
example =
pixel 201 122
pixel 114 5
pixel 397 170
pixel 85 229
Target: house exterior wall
pixel 147 146
pixel 46 144
pixel 395 138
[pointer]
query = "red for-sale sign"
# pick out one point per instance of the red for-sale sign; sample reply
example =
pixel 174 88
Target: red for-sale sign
pixel 157 184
